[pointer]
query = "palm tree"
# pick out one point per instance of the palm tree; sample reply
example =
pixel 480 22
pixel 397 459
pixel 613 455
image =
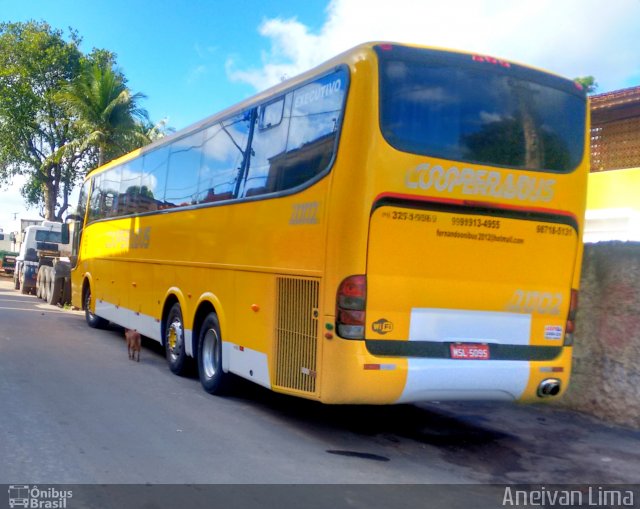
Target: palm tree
pixel 106 110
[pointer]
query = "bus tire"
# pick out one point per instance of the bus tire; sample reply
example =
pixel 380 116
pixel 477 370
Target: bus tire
pixel 55 288
pixel 212 377
pixel 93 321
pixel 174 341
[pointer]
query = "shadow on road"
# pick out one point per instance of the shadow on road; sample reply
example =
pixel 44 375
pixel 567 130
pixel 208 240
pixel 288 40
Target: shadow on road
pixel 493 442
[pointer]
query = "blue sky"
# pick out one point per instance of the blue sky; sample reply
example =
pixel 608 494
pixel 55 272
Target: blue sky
pixel 192 59
pixel 173 52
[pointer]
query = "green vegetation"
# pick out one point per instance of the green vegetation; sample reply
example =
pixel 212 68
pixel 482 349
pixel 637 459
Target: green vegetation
pixel 589 83
pixel 62 112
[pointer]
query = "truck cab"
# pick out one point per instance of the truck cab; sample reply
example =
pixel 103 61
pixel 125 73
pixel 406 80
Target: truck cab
pixel 41 245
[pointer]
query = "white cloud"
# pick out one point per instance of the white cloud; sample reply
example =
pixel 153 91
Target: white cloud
pixel 293 49
pixel 569 37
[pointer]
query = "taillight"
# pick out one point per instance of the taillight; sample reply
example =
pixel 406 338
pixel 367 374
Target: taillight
pixel 571 318
pixel 351 302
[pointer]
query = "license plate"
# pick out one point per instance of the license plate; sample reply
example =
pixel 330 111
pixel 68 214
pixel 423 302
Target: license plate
pixel 469 351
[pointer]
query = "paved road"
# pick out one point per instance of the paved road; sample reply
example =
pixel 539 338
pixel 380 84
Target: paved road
pixel 74 409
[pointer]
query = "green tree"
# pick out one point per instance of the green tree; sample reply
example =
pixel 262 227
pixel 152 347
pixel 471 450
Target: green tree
pixel 588 82
pixel 62 112
pixel 104 109
pixel 35 133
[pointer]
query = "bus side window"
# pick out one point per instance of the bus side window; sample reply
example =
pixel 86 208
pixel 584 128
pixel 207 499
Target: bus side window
pixel 82 200
pixel 224 149
pixel 315 119
pixel 268 147
pixel 129 193
pixel 111 190
pixel 94 201
pixel 184 166
pixel 271 114
pixel 154 180
pixel 291 151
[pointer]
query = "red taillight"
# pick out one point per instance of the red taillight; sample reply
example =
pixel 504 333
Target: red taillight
pixel 571 318
pixel 351 302
pixel 352 293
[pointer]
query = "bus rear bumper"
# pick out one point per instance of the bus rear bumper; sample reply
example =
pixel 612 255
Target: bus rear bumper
pixel 458 380
pixel 352 374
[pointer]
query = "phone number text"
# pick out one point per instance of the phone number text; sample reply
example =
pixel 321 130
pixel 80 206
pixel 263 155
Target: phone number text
pixel 476 222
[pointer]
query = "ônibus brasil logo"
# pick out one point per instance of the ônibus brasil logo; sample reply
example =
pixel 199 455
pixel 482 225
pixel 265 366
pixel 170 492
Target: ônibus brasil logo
pixel 23 495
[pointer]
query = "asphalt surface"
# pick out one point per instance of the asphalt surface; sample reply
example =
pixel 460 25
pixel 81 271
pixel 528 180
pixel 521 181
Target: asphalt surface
pixel 75 409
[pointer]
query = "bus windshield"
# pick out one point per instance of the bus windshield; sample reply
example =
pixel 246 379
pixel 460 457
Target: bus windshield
pixel 48 236
pixel 478 110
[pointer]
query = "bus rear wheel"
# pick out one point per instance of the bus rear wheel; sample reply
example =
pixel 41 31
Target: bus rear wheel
pixel 174 341
pixel 212 377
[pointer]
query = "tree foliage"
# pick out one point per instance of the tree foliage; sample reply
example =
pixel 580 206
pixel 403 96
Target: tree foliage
pixel 105 110
pixel 61 112
pixel 35 61
pixel 589 83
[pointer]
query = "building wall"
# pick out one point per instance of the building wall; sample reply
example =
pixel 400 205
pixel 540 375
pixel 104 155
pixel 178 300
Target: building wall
pixel 606 373
pixel 613 206
pixel 615 144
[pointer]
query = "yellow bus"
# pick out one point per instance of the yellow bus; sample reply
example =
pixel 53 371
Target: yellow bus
pixel 399 224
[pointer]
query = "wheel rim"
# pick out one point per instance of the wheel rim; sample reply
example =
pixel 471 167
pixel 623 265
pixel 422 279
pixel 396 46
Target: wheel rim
pixel 174 339
pixel 210 353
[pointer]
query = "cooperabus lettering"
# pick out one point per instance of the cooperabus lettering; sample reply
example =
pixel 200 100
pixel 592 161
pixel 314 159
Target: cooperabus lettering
pixel 480 182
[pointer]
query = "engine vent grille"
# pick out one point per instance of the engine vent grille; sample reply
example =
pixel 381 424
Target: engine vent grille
pixel 296 333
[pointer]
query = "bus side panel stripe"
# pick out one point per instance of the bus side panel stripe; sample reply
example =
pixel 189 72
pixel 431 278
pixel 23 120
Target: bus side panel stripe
pixel 144 324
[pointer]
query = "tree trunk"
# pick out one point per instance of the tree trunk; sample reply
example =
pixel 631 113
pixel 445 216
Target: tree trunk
pixel 49 201
pixel 101 151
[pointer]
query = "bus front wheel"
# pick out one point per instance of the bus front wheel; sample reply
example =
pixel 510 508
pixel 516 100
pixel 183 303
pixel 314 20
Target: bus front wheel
pixel 212 377
pixel 174 341
pixel 93 321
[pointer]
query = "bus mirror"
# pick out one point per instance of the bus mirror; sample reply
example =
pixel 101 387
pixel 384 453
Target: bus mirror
pixel 74 217
pixel 64 233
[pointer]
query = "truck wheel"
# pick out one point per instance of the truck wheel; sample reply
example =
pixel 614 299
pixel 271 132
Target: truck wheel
pixel 16 279
pixel 55 288
pixel 39 283
pixel 66 291
pixel 93 321
pixel 23 289
pixel 44 281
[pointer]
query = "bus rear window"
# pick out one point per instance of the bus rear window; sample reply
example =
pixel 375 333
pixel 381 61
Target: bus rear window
pixel 455 107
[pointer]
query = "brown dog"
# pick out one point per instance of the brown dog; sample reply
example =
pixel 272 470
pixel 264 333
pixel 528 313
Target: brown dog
pixel 133 343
